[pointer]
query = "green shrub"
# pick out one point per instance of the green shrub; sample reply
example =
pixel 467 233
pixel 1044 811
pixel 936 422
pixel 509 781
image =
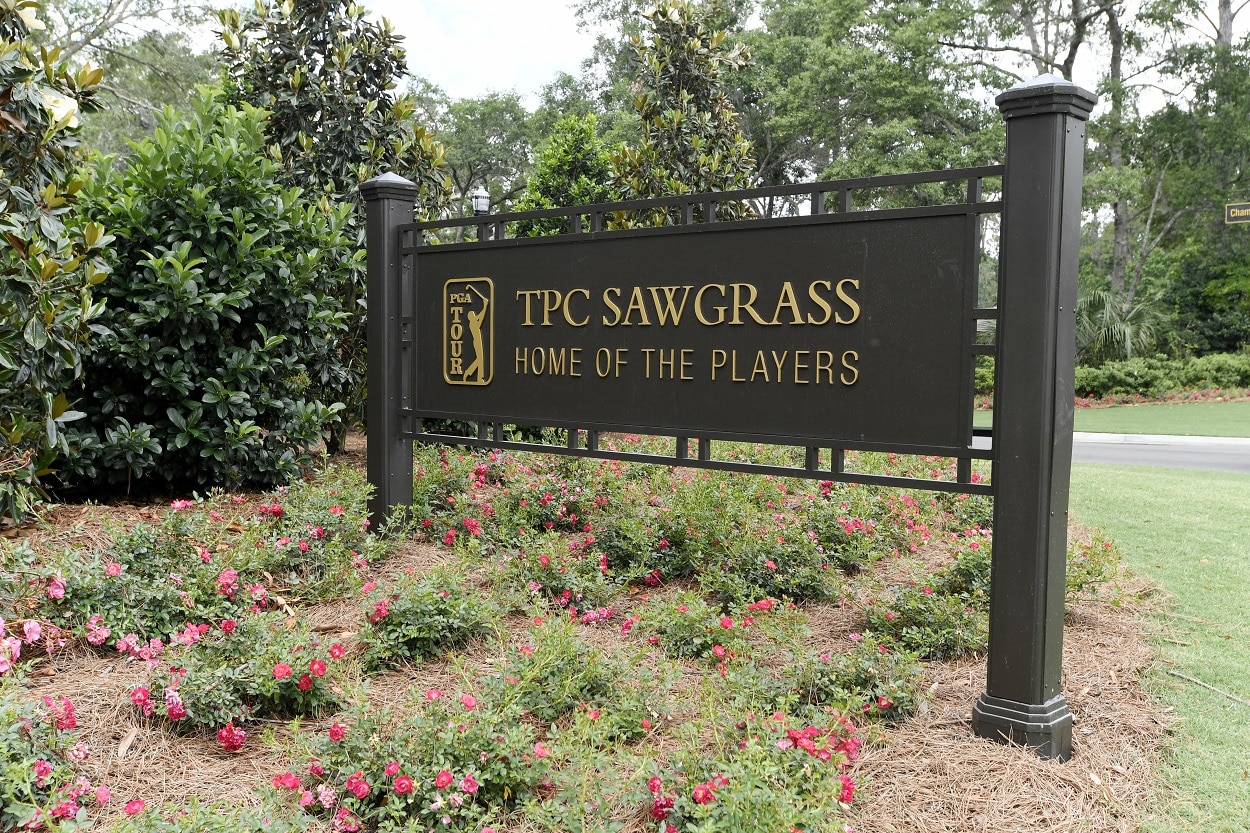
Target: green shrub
pixel 50 258
pixel 870 679
pixel 223 324
pixel 36 774
pixel 206 818
pixel 263 665
pixel 417 617
pixel 553 674
pixel 1157 375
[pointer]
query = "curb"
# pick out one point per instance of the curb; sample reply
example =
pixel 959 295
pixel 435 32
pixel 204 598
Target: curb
pixel 1159 439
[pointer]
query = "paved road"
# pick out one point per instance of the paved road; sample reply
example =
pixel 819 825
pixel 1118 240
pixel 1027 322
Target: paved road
pixel 1205 453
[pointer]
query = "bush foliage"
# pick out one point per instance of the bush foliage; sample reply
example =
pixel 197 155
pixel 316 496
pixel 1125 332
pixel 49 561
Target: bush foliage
pixel 50 256
pixel 1156 375
pixel 222 314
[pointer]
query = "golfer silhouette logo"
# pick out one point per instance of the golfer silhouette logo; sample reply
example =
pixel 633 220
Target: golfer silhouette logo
pixel 468 331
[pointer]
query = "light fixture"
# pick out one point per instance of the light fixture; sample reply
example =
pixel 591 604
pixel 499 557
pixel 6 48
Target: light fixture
pixel 480 200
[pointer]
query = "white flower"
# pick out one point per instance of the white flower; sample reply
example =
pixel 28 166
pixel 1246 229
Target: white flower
pixel 28 17
pixel 61 107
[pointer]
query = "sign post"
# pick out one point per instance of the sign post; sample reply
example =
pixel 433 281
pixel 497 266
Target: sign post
pixel 1033 413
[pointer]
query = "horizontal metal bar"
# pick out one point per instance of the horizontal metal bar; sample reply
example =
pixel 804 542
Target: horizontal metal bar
pixel 727 465
pixel 800 189
pixel 705 437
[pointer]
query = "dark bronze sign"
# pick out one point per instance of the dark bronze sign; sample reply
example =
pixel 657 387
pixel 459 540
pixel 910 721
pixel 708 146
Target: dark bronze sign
pixel 817 332
pixel 1237 212
pixel 842 329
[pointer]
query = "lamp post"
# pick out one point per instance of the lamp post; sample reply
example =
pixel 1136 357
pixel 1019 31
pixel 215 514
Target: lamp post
pixel 480 200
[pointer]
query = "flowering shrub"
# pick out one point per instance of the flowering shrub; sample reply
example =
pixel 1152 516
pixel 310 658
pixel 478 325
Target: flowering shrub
pixel 37 754
pixel 934 625
pixel 871 679
pixel 1090 564
pixel 262 665
pixel 779 777
pixel 685 626
pixel 560 572
pixel 418 617
pixel 203 818
pixel 451 763
pixel 553 673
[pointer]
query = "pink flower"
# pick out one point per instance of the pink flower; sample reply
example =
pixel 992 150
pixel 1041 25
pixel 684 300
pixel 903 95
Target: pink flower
pixel 179 505
pixel 65 810
pixel 337 651
pixel 56 586
pixel 228 625
pixel 306 798
pixel 718 651
pixel 443 779
pixel 468 785
pixel 102 794
pixel 42 770
pixel 726 622
pixel 655 785
pixel 231 737
pixel 281 671
pixel 433 694
pixel 403 784
pixel 305 682
pixel 135 807
pixel 541 751
pixel 31 631
pixel 337 732
pixel 848 789
pixel 317 667
pixel 336 510
pixel 468 701
pixel 391 769
pixel 289 780
pixel 703 794
pixel 449 538
pixel 357 785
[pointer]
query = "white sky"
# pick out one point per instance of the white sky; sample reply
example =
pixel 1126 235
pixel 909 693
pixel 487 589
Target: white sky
pixel 471 47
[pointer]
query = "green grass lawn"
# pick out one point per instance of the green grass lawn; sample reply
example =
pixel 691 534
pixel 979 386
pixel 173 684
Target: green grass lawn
pixel 1195 419
pixel 1190 532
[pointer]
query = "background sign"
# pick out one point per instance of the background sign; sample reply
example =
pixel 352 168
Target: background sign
pixel 851 331
pixel 1237 212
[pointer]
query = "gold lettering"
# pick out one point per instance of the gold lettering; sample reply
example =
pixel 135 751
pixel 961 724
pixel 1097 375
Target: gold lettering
pixel 568 316
pixel 787 300
pixel 824 361
pixel 526 293
pixel 457 367
pixel 615 308
pixel 603 362
pixel 455 313
pixel 457 332
pixel 854 357
pixel 551 303
pixel 780 361
pixel 820 302
pixel 698 305
pixel 686 363
pixel 719 358
pixel 800 366
pixel 522 362
pixel 671 362
pixel 555 361
pixel 575 358
pixel 646 352
pixel 733 366
pixel 740 305
pixel 538 361
pixel 850 303
pixel 636 303
pixel 760 366
pixel 669 309
pixel 620 359
pixel 457 349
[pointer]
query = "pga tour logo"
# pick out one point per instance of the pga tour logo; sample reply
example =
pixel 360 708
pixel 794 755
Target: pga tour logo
pixel 468 331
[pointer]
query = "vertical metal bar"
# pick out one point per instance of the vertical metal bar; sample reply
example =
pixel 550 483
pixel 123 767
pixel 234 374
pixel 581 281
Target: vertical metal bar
pixel 574 438
pixel 483 430
pixel 497 431
pixel 683 448
pixel 818 203
pixel 1041 228
pixel 687 213
pixel 575 223
pixel 596 221
pixel 483 232
pixel 964 470
pixel 705 449
pixel 812 458
pixel 709 211
pixel 388 205
pixel 592 440
pixel 837 464
pixel 844 200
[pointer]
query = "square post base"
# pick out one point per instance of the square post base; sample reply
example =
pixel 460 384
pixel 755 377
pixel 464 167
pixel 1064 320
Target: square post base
pixel 1047 728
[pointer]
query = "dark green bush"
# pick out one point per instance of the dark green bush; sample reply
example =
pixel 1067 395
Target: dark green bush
pixel 223 326
pixel 49 255
pixel 1156 375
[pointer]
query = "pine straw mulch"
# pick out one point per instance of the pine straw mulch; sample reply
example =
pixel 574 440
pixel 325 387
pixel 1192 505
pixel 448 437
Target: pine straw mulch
pixel 931 775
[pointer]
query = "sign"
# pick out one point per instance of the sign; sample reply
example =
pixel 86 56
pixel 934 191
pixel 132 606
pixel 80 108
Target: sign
pixel 817 331
pixel 1237 212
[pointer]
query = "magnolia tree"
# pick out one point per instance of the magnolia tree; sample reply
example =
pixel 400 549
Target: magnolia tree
pixel 49 253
